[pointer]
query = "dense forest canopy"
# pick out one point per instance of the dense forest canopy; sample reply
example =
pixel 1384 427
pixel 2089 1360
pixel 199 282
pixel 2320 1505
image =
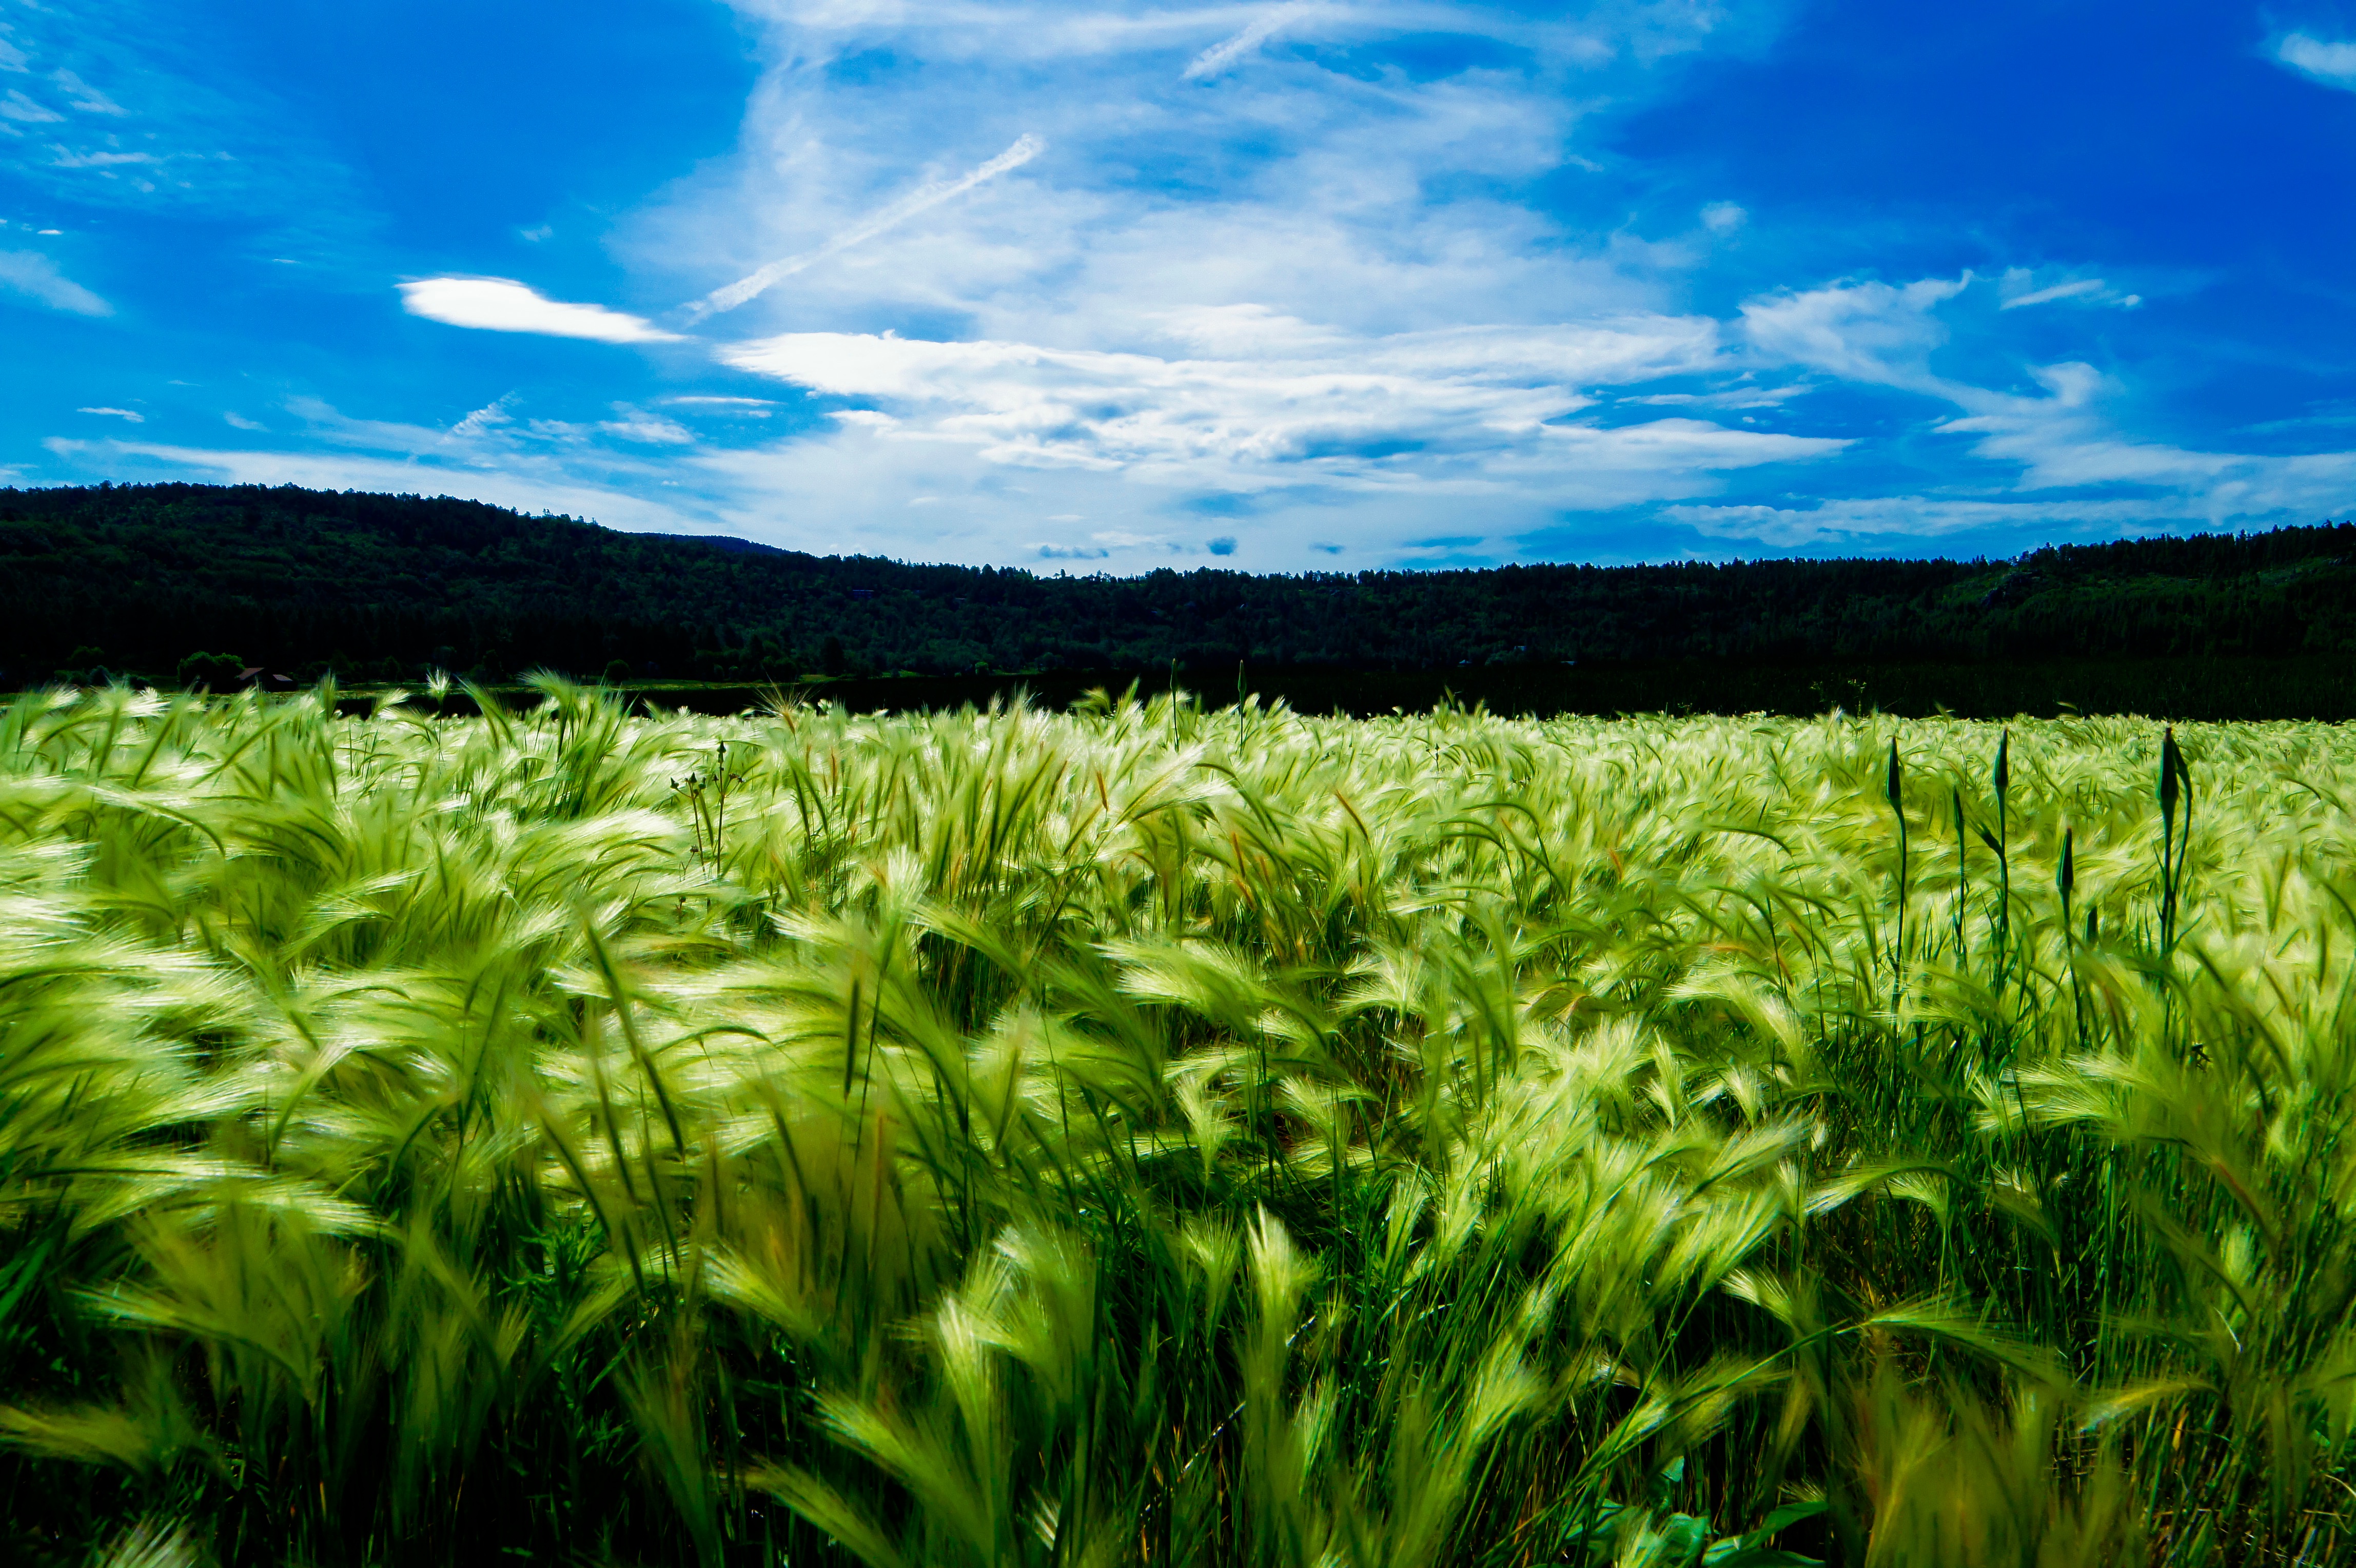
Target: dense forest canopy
pixel 139 579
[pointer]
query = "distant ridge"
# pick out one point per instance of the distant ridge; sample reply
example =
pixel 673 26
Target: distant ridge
pixel 137 579
pixel 727 542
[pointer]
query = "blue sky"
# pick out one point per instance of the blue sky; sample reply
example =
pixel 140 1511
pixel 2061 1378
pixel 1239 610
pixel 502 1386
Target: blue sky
pixel 1278 285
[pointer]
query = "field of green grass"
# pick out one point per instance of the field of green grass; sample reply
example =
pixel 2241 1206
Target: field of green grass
pixel 1148 1135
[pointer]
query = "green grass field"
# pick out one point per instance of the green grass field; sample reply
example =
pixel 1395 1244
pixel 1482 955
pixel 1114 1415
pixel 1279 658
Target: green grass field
pixel 1153 1135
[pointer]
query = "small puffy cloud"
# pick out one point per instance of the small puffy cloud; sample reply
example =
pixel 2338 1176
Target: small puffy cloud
pixel 1723 217
pixel 2073 383
pixel 239 422
pixel 2333 64
pixel 1223 545
pixel 1869 332
pixel 134 418
pixel 34 275
pixel 503 305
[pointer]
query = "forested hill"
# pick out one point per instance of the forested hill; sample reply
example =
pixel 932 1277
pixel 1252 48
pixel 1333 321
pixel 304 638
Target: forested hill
pixel 134 579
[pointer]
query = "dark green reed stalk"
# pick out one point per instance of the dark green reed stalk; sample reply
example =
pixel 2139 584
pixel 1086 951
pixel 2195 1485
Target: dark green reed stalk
pixel 1962 871
pixel 1898 806
pixel 2000 843
pixel 2174 777
pixel 720 802
pixel 2066 879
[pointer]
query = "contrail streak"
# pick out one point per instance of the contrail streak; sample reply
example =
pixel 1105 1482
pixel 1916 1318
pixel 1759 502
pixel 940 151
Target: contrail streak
pixel 1220 56
pixel 921 199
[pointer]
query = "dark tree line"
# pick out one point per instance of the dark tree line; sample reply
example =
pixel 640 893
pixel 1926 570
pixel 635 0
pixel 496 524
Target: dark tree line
pixel 139 579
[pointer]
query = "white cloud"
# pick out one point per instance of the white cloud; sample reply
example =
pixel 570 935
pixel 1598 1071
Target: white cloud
pixel 239 422
pixel 1723 217
pixel 1312 193
pixel 1263 438
pixel 37 277
pixel 648 429
pixel 2333 64
pixel 1227 312
pixel 1860 331
pixel 1308 406
pixel 502 305
pixel 1228 52
pixel 134 418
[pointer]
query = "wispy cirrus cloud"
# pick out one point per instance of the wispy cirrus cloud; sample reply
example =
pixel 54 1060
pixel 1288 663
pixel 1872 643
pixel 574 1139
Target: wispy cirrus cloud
pixel 83 97
pixel 2056 457
pixel 2021 290
pixel 132 113
pixel 25 111
pixel 34 276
